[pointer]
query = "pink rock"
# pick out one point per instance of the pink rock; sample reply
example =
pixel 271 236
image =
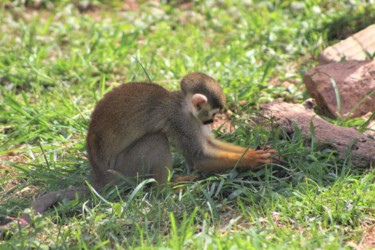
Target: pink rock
pixel 355 81
pixel 352 48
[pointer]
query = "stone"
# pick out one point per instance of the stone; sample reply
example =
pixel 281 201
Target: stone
pixel 352 48
pixel 369 130
pixel 355 82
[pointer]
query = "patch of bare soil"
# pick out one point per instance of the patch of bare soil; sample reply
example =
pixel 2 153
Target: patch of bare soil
pixel 367 242
pixel 11 190
pixel 222 122
pixel 7 172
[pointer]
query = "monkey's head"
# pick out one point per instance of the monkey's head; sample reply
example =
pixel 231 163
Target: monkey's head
pixel 205 94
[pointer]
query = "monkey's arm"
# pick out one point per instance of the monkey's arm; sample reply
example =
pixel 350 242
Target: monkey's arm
pixel 214 159
pixel 227 146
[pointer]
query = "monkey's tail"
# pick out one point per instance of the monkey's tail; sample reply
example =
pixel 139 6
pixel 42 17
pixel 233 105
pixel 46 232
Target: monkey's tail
pixel 44 202
pixel 40 205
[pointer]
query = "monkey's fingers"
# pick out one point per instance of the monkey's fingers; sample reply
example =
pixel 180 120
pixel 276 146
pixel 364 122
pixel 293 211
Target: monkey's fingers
pixel 262 157
pixel 277 159
pixel 266 148
pixel 274 157
pixel 265 152
pixel 272 151
pixel 263 161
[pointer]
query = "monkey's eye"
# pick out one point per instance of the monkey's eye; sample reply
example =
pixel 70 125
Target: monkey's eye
pixel 199 107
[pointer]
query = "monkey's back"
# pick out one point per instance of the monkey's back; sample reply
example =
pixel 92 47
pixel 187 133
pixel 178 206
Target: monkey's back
pixel 123 116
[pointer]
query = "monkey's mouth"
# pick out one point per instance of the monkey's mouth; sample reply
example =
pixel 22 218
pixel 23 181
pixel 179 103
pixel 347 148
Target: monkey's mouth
pixel 208 122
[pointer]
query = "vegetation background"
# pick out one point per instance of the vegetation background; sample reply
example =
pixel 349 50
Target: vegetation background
pixel 58 58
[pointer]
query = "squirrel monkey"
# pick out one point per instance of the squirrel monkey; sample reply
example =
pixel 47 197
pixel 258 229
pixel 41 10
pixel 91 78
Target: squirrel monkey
pixel 132 126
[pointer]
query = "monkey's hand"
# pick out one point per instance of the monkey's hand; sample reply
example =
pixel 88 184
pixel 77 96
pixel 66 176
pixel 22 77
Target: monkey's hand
pixel 255 159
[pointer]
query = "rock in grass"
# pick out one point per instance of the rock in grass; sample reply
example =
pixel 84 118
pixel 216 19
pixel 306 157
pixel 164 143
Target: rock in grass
pixel 360 46
pixel 355 81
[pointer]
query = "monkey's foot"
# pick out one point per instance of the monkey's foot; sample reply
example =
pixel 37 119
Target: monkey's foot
pixel 179 180
pixel 185 178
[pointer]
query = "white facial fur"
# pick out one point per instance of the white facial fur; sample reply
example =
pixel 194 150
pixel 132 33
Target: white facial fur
pixel 201 109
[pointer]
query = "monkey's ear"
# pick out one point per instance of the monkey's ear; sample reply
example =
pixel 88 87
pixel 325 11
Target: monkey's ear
pixel 198 100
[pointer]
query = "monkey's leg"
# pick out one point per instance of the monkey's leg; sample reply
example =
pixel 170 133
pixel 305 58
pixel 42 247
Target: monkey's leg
pixel 148 157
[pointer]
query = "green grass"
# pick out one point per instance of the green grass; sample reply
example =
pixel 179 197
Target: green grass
pixel 56 63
